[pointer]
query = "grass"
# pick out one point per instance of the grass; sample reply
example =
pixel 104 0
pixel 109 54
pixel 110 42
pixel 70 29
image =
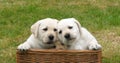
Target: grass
pixel 101 17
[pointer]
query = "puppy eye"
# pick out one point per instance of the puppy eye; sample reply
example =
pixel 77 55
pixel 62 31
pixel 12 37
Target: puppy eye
pixel 55 29
pixel 45 29
pixel 60 31
pixel 70 27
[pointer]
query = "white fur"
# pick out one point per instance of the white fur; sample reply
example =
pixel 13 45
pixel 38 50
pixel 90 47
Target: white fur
pixel 81 38
pixel 39 37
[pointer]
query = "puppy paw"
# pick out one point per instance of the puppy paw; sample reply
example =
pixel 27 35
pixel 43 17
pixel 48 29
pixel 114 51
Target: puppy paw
pixel 23 47
pixel 94 47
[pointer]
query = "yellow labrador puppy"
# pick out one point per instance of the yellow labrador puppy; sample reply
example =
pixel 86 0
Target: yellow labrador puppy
pixel 44 34
pixel 73 36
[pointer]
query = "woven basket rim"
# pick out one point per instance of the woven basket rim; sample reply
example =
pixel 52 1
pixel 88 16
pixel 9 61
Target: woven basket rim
pixel 57 50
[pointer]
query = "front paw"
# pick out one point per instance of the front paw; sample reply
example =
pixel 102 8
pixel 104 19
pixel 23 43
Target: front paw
pixel 23 47
pixel 94 47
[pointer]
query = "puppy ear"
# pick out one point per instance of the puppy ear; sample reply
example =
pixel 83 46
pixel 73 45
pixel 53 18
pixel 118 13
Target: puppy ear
pixel 78 25
pixel 35 29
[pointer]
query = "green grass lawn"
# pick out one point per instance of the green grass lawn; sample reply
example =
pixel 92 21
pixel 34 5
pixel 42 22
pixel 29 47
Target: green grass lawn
pixel 100 17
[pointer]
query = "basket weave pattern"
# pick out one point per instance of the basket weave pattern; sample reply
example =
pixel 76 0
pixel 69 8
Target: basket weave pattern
pixel 59 56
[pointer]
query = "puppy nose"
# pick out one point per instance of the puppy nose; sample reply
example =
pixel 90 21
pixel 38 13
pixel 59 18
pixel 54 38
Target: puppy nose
pixel 51 37
pixel 67 36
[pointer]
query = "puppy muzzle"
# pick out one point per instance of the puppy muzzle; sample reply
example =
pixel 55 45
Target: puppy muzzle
pixel 50 42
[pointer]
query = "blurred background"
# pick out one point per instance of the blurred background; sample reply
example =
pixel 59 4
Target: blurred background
pixel 100 17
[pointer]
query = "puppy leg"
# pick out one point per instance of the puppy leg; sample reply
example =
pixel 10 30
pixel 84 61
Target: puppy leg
pixel 90 39
pixel 23 47
pixel 78 47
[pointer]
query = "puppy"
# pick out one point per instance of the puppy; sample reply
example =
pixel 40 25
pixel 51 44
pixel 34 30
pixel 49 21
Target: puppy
pixel 73 36
pixel 44 35
pixel 59 45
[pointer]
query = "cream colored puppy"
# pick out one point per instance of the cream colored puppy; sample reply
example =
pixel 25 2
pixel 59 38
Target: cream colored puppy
pixel 44 34
pixel 73 36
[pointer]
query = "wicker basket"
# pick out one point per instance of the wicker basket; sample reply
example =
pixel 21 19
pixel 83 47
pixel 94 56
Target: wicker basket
pixel 59 56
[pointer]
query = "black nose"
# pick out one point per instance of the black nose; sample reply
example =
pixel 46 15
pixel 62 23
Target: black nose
pixel 51 37
pixel 67 36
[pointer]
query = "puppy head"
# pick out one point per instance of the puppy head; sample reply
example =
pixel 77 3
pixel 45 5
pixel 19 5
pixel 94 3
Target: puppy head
pixel 45 30
pixel 69 30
